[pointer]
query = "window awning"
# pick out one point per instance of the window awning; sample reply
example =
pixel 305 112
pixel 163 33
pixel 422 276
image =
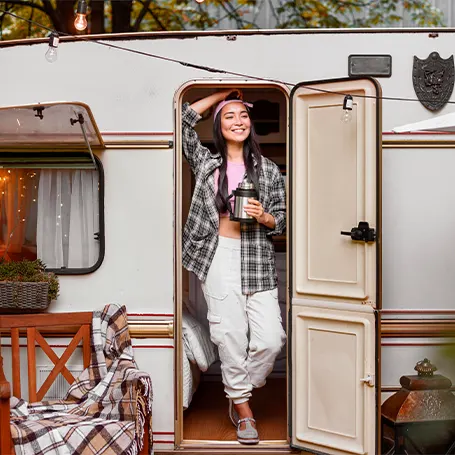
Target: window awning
pixel 442 123
pixel 57 125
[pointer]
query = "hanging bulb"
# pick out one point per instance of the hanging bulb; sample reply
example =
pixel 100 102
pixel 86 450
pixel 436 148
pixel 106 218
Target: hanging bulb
pixel 51 54
pixel 81 15
pixel 200 1
pixel 348 103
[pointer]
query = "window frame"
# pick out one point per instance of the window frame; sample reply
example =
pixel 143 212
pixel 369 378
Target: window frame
pixel 102 246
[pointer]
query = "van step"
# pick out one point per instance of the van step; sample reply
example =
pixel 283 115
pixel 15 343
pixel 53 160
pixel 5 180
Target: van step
pixel 231 449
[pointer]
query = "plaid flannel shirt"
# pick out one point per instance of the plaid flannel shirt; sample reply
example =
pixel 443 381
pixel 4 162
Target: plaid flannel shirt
pixel 200 235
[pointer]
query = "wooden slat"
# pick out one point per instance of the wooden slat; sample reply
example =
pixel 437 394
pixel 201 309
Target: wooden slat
pixel 16 363
pixel 53 356
pixel 46 320
pixel 31 363
pixel 60 364
pixel 86 352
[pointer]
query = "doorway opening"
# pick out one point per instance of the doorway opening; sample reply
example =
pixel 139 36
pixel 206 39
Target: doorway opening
pixel 205 406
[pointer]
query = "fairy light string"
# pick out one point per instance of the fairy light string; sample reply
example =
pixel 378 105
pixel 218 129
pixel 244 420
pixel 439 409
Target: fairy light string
pixel 212 69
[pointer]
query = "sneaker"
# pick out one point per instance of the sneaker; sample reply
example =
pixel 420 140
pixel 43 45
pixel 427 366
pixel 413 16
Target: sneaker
pixel 249 435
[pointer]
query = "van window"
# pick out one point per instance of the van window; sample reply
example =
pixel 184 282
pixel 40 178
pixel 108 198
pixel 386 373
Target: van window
pixel 51 208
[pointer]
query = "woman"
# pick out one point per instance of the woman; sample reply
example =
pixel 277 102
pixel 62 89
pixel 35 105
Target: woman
pixel 235 263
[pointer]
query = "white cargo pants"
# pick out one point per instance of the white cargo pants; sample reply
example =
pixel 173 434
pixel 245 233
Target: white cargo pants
pixel 245 361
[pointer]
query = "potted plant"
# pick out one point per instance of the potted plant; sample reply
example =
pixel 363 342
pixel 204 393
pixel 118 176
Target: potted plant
pixel 25 285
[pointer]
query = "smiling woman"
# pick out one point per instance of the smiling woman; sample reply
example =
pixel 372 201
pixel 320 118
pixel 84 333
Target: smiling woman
pixel 235 263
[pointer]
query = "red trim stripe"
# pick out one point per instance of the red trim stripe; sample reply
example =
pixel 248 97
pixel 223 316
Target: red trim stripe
pixel 155 346
pixel 418 311
pixel 137 133
pixel 152 314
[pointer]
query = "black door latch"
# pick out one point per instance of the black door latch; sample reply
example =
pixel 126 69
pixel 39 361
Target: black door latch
pixel 362 232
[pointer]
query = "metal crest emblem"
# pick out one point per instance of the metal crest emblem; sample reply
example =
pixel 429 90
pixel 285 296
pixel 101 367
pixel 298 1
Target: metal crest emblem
pixel 433 80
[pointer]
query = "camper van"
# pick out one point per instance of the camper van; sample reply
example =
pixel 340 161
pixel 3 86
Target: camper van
pixel 366 267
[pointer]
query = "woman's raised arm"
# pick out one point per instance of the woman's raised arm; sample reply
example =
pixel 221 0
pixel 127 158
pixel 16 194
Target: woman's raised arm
pixel 193 150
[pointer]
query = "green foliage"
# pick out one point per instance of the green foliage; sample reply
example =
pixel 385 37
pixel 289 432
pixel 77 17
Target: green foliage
pixel 160 15
pixel 29 271
pixel 349 13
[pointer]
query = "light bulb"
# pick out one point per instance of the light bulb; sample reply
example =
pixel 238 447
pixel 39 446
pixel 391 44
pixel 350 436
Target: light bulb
pixel 348 104
pixel 200 1
pixel 81 15
pixel 346 116
pixel 80 23
pixel 51 54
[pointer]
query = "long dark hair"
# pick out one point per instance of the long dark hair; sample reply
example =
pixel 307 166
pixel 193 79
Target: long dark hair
pixel 251 154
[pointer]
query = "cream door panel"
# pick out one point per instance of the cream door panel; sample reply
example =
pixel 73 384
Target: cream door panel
pixel 334 397
pixel 334 283
pixel 334 188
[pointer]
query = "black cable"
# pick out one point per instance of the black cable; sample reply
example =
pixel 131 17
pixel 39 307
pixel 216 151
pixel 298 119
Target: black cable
pixel 214 70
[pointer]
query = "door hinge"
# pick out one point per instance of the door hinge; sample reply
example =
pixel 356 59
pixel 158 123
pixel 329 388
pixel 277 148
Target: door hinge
pixel 368 380
pixel 362 232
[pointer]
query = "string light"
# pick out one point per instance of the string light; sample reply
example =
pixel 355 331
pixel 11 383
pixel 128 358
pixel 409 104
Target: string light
pixel 348 104
pixel 200 1
pixel 51 54
pixel 80 23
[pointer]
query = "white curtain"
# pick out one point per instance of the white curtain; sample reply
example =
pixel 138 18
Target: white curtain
pixel 67 218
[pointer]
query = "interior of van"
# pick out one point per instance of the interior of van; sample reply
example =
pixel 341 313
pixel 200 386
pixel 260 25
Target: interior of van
pixel 205 414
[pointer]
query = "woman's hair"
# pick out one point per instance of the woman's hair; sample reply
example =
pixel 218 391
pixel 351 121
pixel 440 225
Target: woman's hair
pixel 251 154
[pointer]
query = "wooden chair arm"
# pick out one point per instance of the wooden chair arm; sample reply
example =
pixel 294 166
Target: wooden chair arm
pixel 5 389
pixel 5 395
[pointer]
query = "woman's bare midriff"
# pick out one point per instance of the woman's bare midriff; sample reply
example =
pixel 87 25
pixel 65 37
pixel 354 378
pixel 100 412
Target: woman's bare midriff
pixel 229 228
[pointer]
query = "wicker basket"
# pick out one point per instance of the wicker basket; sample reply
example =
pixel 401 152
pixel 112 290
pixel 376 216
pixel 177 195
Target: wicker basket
pixel 16 295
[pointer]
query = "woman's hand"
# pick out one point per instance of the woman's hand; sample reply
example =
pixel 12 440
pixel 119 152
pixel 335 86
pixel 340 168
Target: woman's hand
pixel 231 93
pixel 254 208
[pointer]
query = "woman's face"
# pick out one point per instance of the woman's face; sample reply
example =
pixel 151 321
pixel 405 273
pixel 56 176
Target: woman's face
pixel 235 122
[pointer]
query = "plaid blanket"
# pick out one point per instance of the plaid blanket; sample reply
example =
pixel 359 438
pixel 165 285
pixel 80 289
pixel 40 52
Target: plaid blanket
pixel 105 409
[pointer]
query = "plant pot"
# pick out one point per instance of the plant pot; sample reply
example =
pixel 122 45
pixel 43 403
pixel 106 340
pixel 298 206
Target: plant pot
pixel 22 295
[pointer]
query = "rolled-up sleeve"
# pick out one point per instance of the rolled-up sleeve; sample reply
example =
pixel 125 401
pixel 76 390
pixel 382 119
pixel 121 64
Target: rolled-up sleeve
pixel 277 207
pixel 193 150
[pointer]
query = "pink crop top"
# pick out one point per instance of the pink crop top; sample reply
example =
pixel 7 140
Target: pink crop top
pixel 235 173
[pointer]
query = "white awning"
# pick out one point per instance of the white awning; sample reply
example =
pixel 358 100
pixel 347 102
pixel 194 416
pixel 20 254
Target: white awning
pixel 53 125
pixel 444 123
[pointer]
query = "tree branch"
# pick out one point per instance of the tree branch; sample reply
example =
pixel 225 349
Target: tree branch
pixel 53 16
pixel 144 10
pixel 32 10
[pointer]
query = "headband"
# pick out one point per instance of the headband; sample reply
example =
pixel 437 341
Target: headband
pixel 223 103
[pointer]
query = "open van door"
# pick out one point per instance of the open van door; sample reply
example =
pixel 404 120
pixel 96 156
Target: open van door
pixel 334 267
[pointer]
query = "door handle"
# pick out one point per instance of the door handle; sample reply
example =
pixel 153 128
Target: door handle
pixel 368 380
pixel 362 232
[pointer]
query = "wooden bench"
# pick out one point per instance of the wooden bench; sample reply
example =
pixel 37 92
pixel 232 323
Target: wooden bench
pixel 33 326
